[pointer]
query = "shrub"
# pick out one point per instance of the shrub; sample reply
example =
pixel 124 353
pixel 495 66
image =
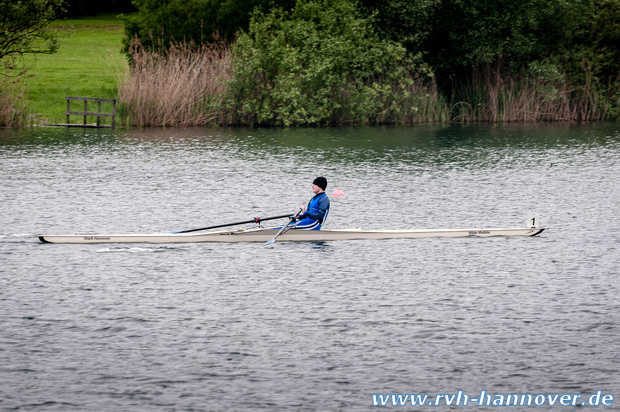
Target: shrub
pixel 322 63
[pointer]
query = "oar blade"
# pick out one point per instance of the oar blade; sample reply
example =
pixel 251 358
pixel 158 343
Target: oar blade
pixel 269 242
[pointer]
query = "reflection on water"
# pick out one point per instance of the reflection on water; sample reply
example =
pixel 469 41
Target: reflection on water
pixel 378 138
pixel 307 326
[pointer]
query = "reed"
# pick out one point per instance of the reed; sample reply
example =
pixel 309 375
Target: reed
pixel 495 96
pixel 13 108
pixel 182 86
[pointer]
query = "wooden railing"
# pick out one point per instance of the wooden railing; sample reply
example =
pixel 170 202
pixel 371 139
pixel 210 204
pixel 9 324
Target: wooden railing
pixel 98 114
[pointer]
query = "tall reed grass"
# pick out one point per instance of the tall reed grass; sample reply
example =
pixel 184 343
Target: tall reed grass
pixel 183 86
pixel 495 96
pixel 13 109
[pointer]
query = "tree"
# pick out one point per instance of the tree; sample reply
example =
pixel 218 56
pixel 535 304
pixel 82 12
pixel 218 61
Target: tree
pixel 76 8
pixel 159 23
pixel 593 57
pixel 24 29
pixel 457 36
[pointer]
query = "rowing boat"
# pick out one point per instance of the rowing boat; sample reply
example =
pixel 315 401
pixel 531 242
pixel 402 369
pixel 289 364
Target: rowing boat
pixel 263 235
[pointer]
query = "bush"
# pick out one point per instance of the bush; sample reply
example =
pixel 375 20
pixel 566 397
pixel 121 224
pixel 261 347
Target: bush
pixel 322 63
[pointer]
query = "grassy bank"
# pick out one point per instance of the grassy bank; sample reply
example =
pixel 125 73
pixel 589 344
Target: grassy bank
pixel 86 65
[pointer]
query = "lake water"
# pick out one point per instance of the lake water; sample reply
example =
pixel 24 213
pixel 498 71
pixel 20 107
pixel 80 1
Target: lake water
pixel 308 326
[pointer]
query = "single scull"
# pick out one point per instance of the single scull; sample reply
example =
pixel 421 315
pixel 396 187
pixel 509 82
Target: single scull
pixel 264 235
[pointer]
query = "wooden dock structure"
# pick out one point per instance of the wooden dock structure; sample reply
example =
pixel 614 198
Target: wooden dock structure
pixel 98 114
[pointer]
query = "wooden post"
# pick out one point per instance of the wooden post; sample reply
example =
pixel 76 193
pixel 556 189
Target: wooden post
pixel 68 109
pixel 98 111
pixel 114 115
pixel 85 110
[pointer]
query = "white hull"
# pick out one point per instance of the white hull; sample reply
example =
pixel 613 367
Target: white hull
pixel 263 235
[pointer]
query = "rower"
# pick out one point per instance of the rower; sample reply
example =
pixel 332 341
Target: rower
pixel 314 216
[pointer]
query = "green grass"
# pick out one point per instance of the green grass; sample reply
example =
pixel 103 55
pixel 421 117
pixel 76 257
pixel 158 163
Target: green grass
pixel 87 64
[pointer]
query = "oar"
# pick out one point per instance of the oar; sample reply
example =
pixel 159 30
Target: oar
pixel 284 228
pixel 255 220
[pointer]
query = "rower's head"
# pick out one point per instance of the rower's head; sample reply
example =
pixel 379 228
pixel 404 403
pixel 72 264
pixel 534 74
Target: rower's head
pixel 319 184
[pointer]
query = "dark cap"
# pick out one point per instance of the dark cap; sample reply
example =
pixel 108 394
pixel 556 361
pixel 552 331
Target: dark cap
pixel 320 182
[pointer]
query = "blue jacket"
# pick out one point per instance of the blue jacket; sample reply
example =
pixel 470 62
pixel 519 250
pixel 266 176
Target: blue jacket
pixel 317 209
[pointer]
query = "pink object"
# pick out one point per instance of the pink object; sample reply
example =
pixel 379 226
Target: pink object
pixel 338 193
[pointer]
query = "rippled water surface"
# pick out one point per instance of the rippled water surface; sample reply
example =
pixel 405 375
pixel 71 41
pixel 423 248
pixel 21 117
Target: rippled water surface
pixel 307 326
